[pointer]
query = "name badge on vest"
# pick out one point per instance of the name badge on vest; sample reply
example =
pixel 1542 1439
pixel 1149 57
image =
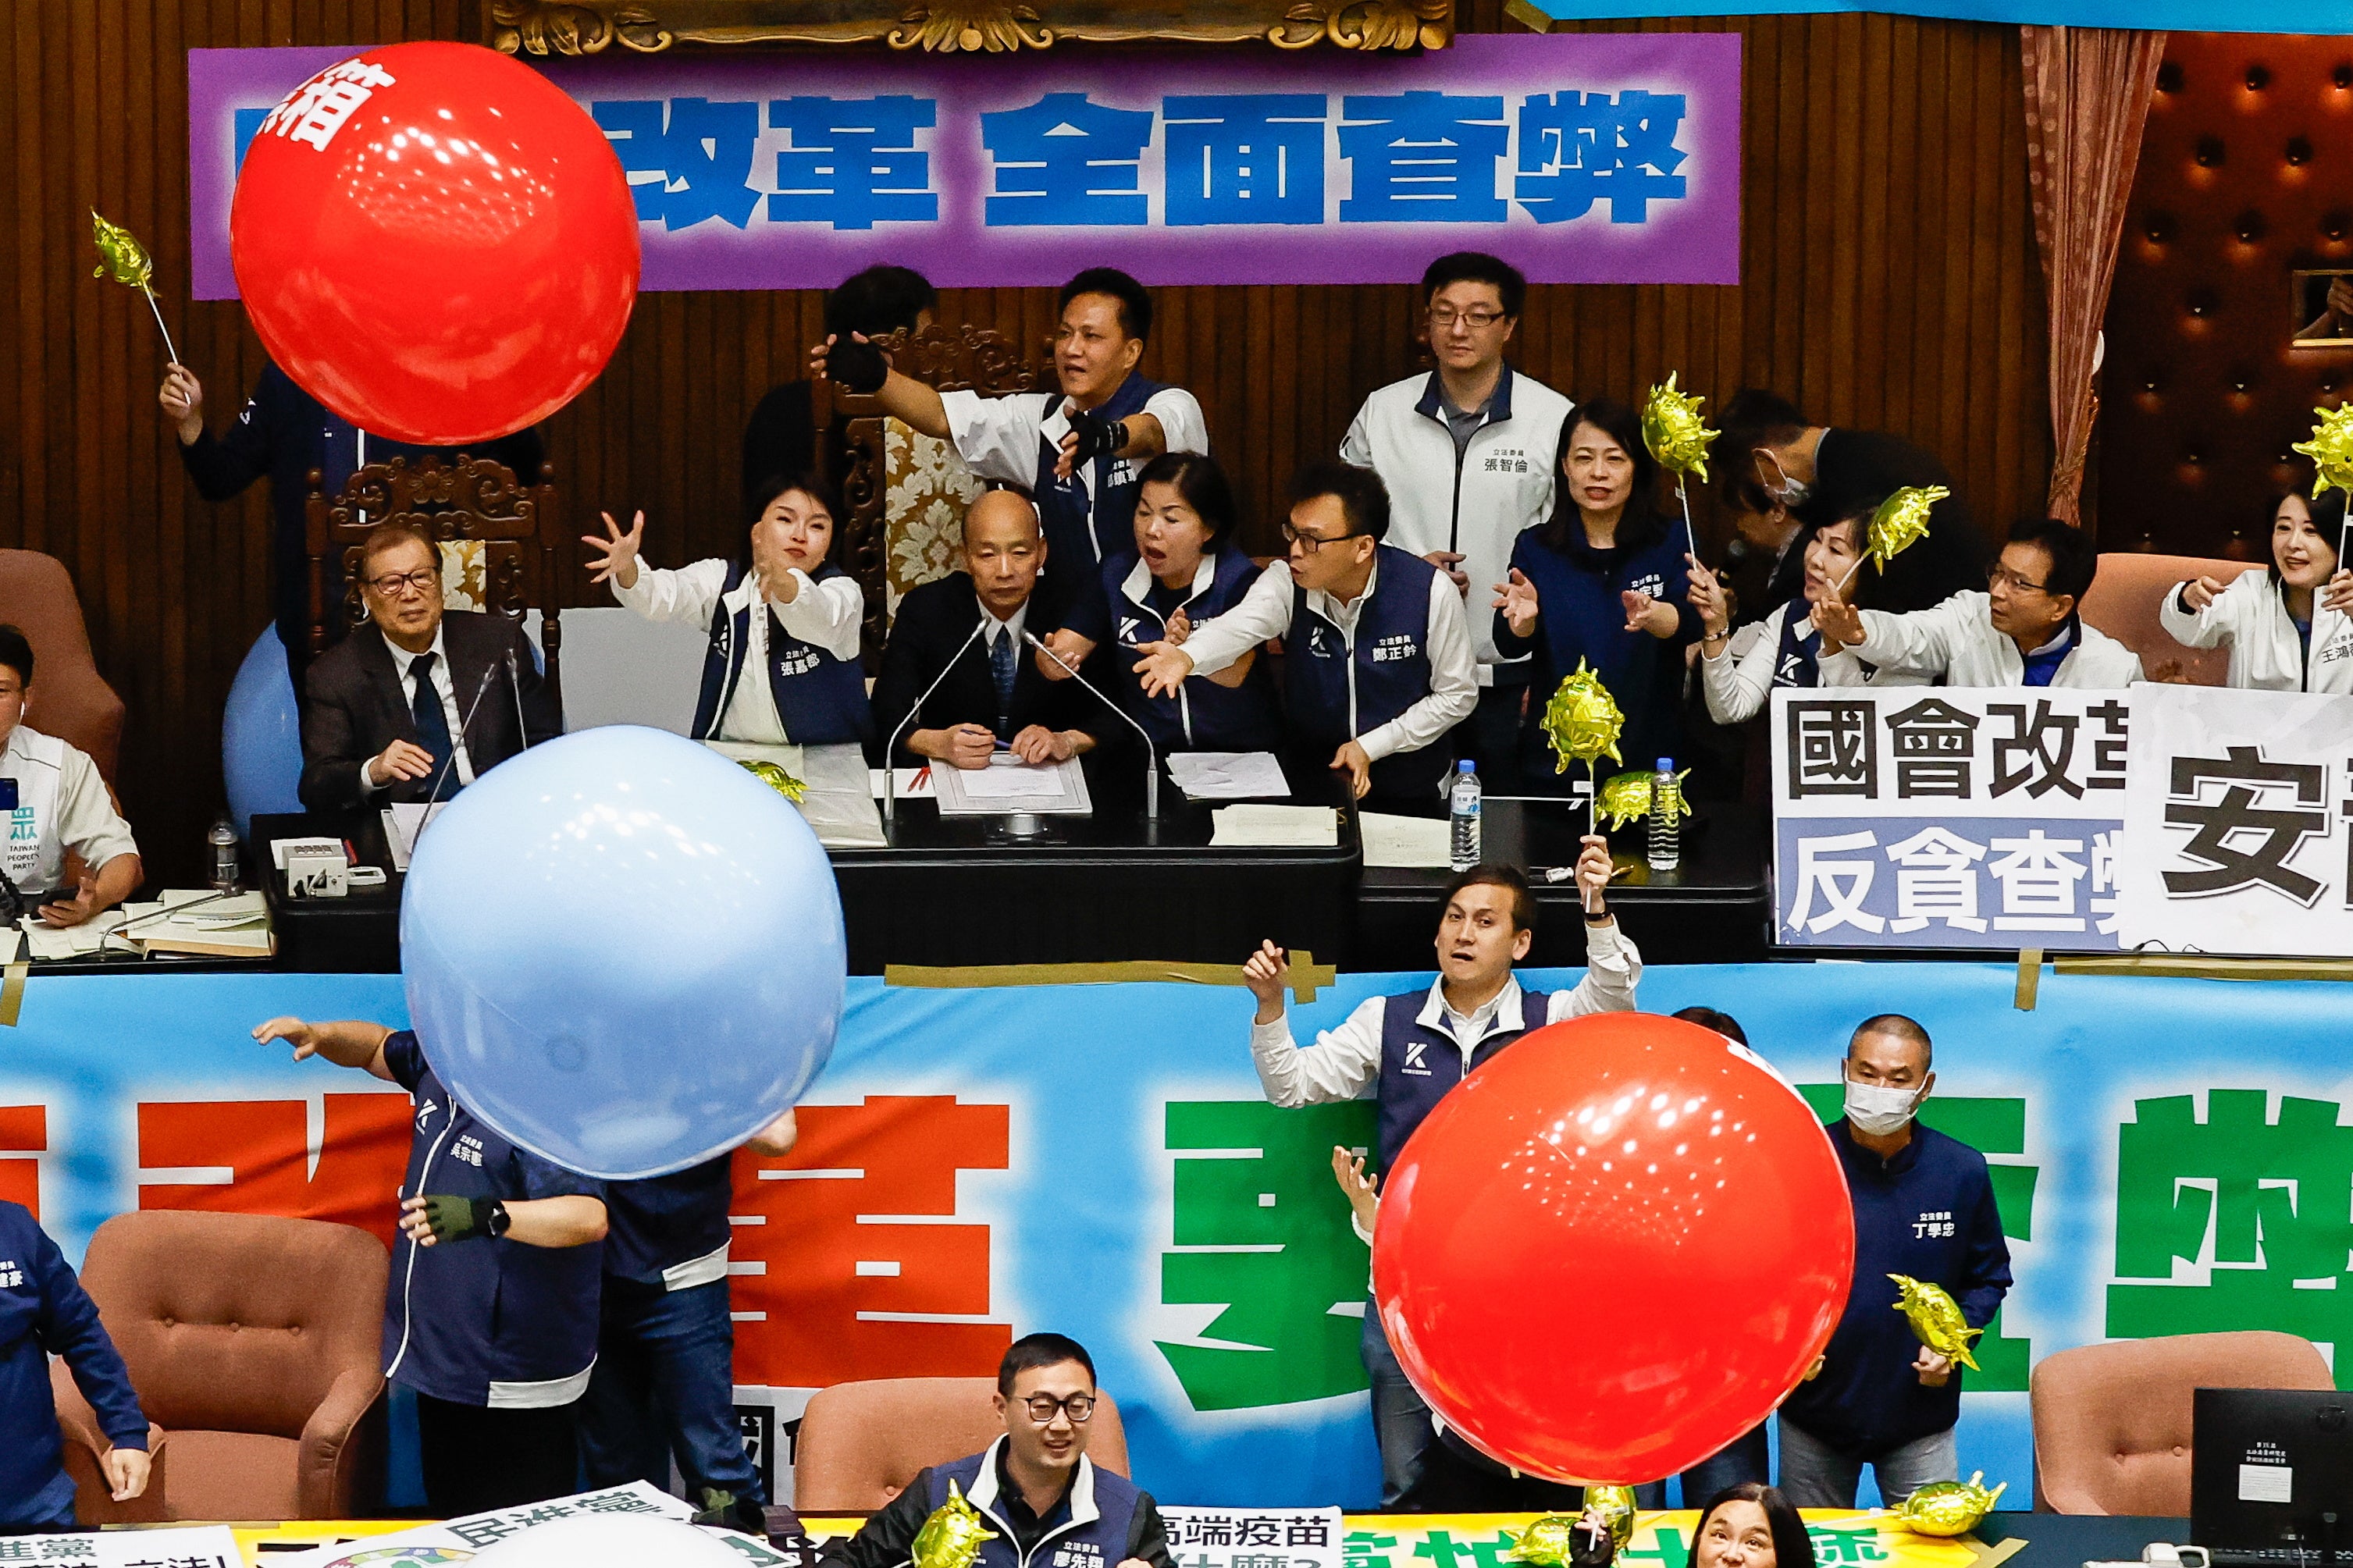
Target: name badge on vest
pixel 1415 1051
pixel 1077 1554
pixel 1396 647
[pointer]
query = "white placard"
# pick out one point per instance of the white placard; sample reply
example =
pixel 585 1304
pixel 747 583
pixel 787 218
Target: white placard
pixel 1253 1537
pixel 198 1546
pixel 464 1537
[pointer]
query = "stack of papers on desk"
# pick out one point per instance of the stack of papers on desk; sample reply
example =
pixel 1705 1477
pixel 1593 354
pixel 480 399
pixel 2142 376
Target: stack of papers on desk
pixel 1007 785
pixel 1275 828
pixel 43 942
pixel 402 824
pixel 1409 843
pixel 195 920
pixel 1229 775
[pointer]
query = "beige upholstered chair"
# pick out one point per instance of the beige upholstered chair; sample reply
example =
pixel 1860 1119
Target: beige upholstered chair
pixel 2123 603
pixel 861 1443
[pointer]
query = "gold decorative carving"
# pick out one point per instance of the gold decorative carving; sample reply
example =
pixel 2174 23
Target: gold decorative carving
pixel 552 26
pixel 1365 25
pixel 970 28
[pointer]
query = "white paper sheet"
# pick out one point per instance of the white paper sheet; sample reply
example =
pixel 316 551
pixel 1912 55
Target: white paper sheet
pixel 402 824
pixel 1006 781
pixel 1410 843
pixel 1054 789
pixel 1229 775
pixel 1275 826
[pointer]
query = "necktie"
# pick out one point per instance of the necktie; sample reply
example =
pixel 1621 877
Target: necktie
pixel 1000 668
pixel 432 723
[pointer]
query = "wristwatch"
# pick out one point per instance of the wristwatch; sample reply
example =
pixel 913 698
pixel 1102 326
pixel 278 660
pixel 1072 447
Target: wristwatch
pixel 1600 916
pixel 500 1220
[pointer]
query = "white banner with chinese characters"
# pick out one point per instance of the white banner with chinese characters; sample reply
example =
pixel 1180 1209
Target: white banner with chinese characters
pixel 1253 1537
pixel 454 1541
pixel 199 1546
pixel 1941 817
pixel 2236 808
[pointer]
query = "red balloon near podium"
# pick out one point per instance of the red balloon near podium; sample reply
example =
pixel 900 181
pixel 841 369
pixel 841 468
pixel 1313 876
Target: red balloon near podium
pixel 1616 1247
pixel 436 242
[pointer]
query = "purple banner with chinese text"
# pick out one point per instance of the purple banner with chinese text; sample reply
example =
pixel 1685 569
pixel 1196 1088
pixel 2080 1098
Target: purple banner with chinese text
pixel 1580 159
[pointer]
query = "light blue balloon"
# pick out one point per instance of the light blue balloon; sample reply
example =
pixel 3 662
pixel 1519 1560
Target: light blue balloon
pixel 623 952
pixel 261 735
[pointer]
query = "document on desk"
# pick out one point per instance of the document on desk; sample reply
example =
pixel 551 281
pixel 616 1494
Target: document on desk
pixel 402 823
pixel 1229 775
pixel 1409 843
pixel 203 923
pixel 1009 785
pixel 1274 828
pixel 74 942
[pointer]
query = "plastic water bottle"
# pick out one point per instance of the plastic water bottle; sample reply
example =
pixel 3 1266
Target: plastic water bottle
pixel 223 839
pixel 1462 814
pixel 1666 817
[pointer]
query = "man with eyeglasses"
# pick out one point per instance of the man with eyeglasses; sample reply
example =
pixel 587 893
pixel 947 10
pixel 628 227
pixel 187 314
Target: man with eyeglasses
pixel 2024 629
pixel 1468 452
pixel 1378 658
pixel 1047 1504
pixel 418 704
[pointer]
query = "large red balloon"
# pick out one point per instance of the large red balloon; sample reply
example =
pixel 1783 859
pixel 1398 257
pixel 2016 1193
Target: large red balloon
pixel 1613 1249
pixel 436 242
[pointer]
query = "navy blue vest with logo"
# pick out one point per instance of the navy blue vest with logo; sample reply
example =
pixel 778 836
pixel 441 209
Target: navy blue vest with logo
pixel 1203 716
pixel 1078 535
pixel 1097 1541
pixel 660 1222
pixel 820 698
pixel 1418 1065
pixel 1390 667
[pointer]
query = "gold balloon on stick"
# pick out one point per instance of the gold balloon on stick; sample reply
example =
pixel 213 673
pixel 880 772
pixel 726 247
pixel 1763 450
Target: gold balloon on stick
pixel 1948 1507
pixel 1678 438
pixel 951 1538
pixel 2331 451
pixel 1583 722
pixel 775 778
pixel 1614 1507
pixel 1549 1541
pixel 1901 521
pixel 123 258
pixel 1936 1318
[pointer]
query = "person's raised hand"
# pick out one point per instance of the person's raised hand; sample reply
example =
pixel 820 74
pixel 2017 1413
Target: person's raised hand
pixel 1348 1170
pixel 1448 561
pixel 1935 1369
pixel 302 1037
pixel 1351 759
pixel 1162 669
pixel 1068 650
pixel 1180 627
pixel 1707 598
pixel 614 557
pixel 2196 595
pixel 182 396
pixel 73 911
pixel 126 1472
pixel 400 760
pixel 1266 972
pixel 1648 613
pixel 1518 601
pixel 2338 595
pixel 1838 622
pixel 1594 868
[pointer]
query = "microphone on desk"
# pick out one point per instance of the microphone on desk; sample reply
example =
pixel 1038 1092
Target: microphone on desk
pixel 890 746
pixel 1151 755
pixel 514 684
pixel 432 796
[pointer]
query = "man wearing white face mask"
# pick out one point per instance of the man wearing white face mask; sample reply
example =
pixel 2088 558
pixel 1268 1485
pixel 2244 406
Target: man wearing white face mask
pixel 1924 1206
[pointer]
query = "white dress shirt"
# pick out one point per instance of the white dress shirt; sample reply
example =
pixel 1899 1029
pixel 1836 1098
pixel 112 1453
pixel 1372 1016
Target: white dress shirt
pixel 1345 1063
pixel 2266 653
pixel 826 615
pixel 1264 613
pixel 404 665
pixel 61 805
pixel 1956 640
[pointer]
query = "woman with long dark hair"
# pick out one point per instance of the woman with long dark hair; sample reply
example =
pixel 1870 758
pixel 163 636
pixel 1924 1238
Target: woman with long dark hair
pixel 2288 626
pixel 1601 582
pixel 1750 1526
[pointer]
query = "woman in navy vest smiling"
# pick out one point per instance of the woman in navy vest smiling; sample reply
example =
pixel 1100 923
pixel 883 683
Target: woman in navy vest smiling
pixel 783 666
pixel 1185 570
pixel 1603 582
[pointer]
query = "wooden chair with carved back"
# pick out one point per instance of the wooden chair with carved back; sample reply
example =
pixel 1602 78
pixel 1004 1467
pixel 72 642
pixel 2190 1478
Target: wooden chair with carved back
pixel 498 539
pixel 854 442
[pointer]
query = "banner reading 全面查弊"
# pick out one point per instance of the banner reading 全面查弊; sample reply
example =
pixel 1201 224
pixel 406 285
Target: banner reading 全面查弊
pixel 1601 159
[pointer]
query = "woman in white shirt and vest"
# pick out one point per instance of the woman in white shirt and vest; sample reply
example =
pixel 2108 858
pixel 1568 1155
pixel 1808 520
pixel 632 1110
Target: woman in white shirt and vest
pixel 1740 669
pixel 783 667
pixel 2290 625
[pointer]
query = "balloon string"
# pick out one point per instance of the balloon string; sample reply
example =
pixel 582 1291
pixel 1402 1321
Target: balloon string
pixel 1849 574
pixel 171 352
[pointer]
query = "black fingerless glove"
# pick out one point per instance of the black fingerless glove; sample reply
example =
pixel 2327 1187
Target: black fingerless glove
pixel 858 366
pixel 1099 434
pixel 453 1219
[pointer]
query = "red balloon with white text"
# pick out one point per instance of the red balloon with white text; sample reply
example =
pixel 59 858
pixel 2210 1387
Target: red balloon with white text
pixel 1613 1249
pixel 436 242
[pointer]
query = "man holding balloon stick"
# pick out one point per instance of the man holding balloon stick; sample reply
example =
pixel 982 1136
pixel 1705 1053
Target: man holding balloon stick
pixel 1407 1051
pixel 1923 1209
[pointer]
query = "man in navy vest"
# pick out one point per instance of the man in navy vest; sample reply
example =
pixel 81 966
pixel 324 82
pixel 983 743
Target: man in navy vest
pixel 1407 1051
pixel 1076 450
pixel 489 1316
pixel 1047 1504
pixel 1378 663
pixel 664 1385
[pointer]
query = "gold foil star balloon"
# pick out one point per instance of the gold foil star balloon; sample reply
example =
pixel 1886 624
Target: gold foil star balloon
pixel 1549 1541
pixel 1901 521
pixel 1936 1318
pixel 775 778
pixel 1582 721
pixel 1948 1507
pixel 951 1538
pixel 1614 1506
pixel 1674 431
pixel 1628 795
pixel 2331 449
pixel 125 260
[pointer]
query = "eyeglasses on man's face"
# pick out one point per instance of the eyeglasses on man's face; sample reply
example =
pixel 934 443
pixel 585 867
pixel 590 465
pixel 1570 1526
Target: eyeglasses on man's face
pixel 1309 543
pixel 1077 1407
pixel 2000 576
pixel 1444 317
pixel 400 585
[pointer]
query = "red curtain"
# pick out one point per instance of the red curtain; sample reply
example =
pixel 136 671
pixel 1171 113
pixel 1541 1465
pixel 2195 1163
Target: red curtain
pixel 2087 92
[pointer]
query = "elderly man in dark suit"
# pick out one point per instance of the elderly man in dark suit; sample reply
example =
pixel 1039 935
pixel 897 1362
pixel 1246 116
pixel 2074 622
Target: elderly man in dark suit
pixel 993 695
pixel 403 709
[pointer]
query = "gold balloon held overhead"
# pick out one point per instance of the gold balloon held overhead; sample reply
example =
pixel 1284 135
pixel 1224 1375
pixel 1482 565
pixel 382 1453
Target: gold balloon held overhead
pixel 1936 1318
pixel 122 257
pixel 775 778
pixel 1628 795
pixel 1614 1506
pixel 1901 521
pixel 1674 432
pixel 1948 1507
pixel 951 1538
pixel 1583 721
pixel 2331 449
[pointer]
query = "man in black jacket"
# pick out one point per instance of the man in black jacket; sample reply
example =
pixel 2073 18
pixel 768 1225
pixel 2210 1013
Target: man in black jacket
pixel 993 697
pixel 284 432
pixel 403 709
